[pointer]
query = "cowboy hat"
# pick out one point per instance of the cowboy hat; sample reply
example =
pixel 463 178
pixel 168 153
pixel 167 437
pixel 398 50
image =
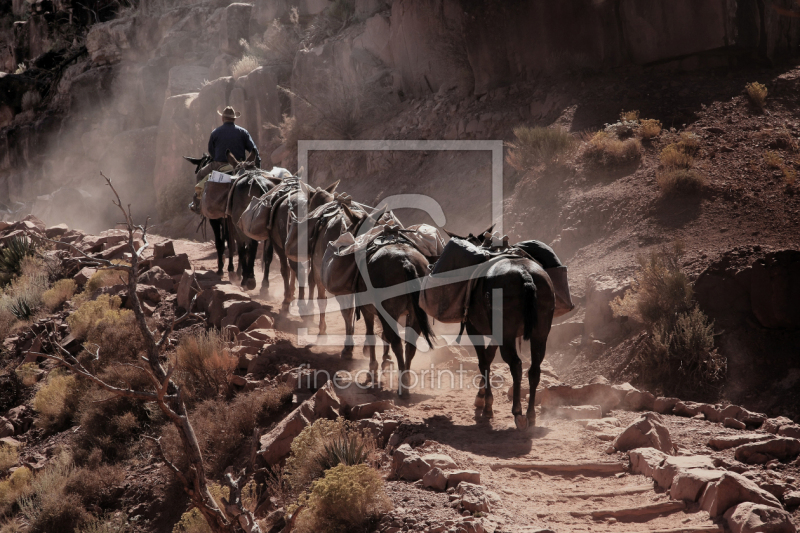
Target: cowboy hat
pixel 229 112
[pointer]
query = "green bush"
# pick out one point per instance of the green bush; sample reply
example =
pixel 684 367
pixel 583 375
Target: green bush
pixel 538 145
pixel 346 499
pixel 90 313
pixel 322 444
pixel 11 255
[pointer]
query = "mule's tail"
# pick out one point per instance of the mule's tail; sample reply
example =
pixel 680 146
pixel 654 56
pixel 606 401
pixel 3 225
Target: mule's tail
pixel 530 315
pixel 419 314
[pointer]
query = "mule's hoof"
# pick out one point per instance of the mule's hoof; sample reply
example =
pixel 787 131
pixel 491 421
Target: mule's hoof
pixel 386 366
pixel 347 354
pixel 532 421
pixel 479 402
pixel 250 284
pixel 488 412
pixel 521 421
pixel 219 272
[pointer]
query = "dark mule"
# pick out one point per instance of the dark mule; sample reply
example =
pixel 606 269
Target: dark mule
pixel 389 266
pixel 222 233
pixel 251 182
pixel 527 304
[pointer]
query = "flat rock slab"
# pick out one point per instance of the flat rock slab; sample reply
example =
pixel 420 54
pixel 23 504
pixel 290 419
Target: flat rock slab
pixel 781 448
pixel 644 461
pixel 666 472
pixel 590 467
pixel 634 513
pixel 575 412
pixel 732 441
pixel 689 484
pixel 732 489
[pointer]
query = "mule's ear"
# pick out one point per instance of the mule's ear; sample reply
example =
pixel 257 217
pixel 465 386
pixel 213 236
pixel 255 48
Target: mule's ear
pixel 232 161
pixel 307 190
pixel 489 229
pixel 352 215
pixel 193 160
pixel 332 187
pixel 250 158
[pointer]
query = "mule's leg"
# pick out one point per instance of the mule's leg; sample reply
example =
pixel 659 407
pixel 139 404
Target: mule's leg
pixel 509 353
pixel 219 243
pixel 297 268
pixel 322 303
pixel 484 399
pixel 374 372
pixel 269 252
pixel 397 347
pixel 348 314
pixel 230 239
pixel 286 275
pixel 411 351
pixel 249 277
pixel 538 348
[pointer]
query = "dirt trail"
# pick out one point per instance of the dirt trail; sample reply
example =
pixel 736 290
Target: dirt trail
pixel 528 501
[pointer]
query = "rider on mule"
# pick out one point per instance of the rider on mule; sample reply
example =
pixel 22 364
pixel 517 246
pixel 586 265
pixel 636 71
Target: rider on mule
pixel 225 138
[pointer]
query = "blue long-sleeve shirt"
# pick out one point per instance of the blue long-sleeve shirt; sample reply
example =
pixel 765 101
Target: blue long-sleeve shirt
pixel 231 137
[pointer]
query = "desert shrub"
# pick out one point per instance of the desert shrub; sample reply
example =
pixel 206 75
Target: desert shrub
pixel 106 278
pixel 56 401
pixel 89 313
pixel 95 485
pixel 109 523
pixel 773 159
pixel 244 66
pixel 223 427
pixel 192 521
pixel 31 100
pixel 538 145
pixel 629 116
pixel 757 93
pixel 689 143
pixel 205 364
pixel 322 444
pixel 680 181
pixel 649 128
pixel 9 456
pixel 606 150
pixel 347 498
pixel 672 157
pixel 328 23
pixel 61 291
pixel 11 255
pixel 14 487
pixel 116 336
pixel 279 43
pixel 11 526
pixel 679 354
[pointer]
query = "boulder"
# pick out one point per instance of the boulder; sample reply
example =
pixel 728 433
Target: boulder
pixel 246 320
pixel 56 231
pixel 366 410
pixel 21 417
pixel 157 278
pixel 165 249
pixel 276 444
pixel 665 473
pixel 174 265
pixel 235 27
pixel 6 428
pixel 400 454
pixel 649 430
pixel 187 289
pixel 435 479
pixel 689 484
pixel 83 275
pixel 606 396
pixel 781 448
pixel 413 468
pixel 665 406
pixel 637 400
pixel 732 423
pixel 732 441
pixel 440 460
pixel 234 309
pixel 732 489
pixel 644 461
pixel 220 295
pixel 473 497
pixel 792 431
pixel 455 477
pixel 262 322
pixel 748 517
pixel 574 412
pixel 792 498
pixel 773 425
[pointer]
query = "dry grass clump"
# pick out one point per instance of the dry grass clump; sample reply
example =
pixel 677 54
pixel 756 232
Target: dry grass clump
pixel 9 456
pixel 47 506
pixel 192 521
pixel 629 116
pixel 205 364
pixel 105 278
pixel 90 313
pixel 28 373
pixel 244 66
pixel 649 128
pixel 61 291
pixel 679 354
pixel 773 159
pixel 680 181
pixel 109 523
pixel 607 150
pixel 56 401
pixel 673 157
pixel 13 487
pixel 346 499
pixel 321 445
pixel 223 427
pixel 757 92
pixel 538 145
